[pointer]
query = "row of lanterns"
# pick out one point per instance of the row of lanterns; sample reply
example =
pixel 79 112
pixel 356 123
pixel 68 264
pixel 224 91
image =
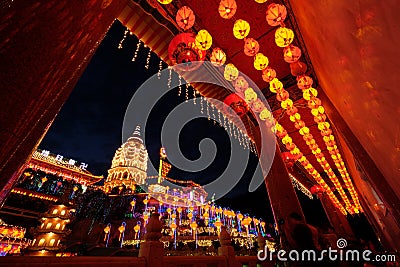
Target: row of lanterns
pixel 284 37
pixel 293 149
pixel 276 14
pixel 192 48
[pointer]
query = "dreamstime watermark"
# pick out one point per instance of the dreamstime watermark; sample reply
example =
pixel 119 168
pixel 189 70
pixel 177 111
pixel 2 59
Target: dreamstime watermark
pixel 150 93
pixel 330 254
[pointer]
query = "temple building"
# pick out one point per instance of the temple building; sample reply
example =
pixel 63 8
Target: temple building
pixel 34 202
pixel 12 239
pixel 129 165
pixel 50 233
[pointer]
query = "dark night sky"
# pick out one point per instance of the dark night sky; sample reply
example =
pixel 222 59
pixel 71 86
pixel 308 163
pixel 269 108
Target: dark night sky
pixel 88 128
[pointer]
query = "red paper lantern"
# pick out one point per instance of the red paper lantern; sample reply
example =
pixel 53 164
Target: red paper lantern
pixel 288 158
pixel 236 104
pixel 182 50
pixel 290 146
pixel 298 68
pixel 316 189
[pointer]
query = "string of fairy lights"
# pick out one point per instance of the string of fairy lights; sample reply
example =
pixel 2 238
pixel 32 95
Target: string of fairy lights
pixel 186 90
pixel 284 37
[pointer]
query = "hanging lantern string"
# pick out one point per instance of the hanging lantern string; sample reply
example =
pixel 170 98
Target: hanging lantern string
pixel 276 15
pixel 123 39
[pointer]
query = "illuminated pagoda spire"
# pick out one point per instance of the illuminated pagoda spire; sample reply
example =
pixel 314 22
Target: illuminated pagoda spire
pixel 129 165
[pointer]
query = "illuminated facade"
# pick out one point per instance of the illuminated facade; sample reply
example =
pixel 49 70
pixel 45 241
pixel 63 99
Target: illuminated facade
pixel 47 176
pixel 12 239
pixel 68 169
pixel 51 232
pixel 129 164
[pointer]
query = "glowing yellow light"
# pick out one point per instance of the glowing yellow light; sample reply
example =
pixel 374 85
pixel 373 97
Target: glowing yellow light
pixel 260 61
pixel 231 72
pixel 241 29
pixel 164 2
pixel 283 37
pixel 275 85
pixel 203 40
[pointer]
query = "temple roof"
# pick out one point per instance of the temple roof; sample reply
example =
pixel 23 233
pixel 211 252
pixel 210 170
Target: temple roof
pixel 62 167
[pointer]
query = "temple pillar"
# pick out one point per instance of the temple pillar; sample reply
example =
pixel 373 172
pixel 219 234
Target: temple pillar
pixel 282 195
pixel 45 48
pixel 337 220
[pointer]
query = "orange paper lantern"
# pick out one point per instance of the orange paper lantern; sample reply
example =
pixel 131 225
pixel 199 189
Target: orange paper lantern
pixel 304 82
pixel 218 57
pixel 257 106
pixel 185 18
pixel 251 47
pixel 291 53
pixel 227 8
pixel 276 14
pixel 268 74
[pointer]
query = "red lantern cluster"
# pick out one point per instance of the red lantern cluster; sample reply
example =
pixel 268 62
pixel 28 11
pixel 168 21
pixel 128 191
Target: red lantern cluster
pixel 237 104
